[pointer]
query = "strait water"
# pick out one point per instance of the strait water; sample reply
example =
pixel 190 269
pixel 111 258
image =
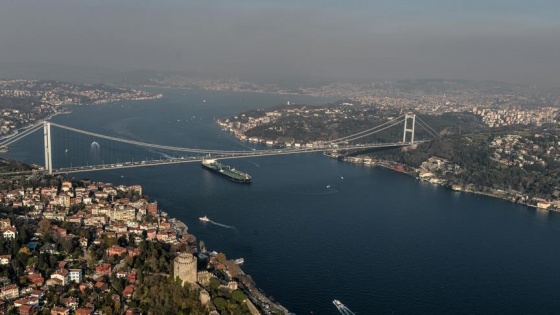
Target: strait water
pixel 380 242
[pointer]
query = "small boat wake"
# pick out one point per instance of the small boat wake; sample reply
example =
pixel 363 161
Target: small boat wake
pixel 222 225
pixel 342 308
pixel 255 164
pixel 205 219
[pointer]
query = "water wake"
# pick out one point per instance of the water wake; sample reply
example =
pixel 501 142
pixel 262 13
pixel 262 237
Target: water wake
pixel 344 310
pixel 222 225
pixel 255 164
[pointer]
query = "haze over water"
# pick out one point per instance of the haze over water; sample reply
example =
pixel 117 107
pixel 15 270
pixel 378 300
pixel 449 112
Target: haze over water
pixel 378 241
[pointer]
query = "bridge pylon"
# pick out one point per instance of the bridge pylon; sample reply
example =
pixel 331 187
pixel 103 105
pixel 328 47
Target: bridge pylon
pixel 407 129
pixel 47 146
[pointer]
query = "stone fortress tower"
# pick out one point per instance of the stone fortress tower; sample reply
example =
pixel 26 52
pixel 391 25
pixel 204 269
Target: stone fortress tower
pixel 184 267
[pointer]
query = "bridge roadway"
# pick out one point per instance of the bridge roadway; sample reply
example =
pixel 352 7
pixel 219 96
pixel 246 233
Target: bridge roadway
pixel 239 155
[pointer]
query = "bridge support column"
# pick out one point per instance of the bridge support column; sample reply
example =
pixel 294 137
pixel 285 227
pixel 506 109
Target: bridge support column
pixel 408 129
pixel 47 144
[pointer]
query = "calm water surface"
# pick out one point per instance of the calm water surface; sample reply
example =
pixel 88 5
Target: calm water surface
pixel 381 242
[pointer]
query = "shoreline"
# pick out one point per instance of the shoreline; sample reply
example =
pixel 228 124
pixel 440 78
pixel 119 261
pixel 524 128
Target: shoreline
pixel 49 117
pixel 241 91
pixel 393 166
pixel 255 294
pixel 387 165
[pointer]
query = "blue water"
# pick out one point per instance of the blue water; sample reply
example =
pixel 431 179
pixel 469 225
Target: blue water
pixel 379 241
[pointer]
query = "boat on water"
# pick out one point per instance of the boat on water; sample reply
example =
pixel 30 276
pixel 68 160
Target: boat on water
pixel 337 303
pixel 239 261
pixel 204 219
pixel 226 171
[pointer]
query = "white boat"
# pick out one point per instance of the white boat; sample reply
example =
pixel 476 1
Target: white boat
pixel 337 303
pixel 204 219
pixel 239 261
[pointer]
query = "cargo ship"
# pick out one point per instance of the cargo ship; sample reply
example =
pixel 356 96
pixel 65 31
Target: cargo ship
pixel 226 171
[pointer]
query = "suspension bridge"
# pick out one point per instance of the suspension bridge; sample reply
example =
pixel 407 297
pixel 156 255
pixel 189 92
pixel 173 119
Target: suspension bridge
pixel 93 160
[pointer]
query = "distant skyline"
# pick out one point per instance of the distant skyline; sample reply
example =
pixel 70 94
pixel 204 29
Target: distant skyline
pixel 514 41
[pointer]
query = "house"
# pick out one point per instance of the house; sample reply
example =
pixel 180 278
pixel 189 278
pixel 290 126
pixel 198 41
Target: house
pixel 128 291
pixel 75 275
pixel 5 223
pixel 116 250
pixel 38 294
pixel 59 231
pixel 151 234
pixel 36 278
pixel 70 302
pixel 9 292
pixel 62 275
pixel 57 310
pixel 134 252
pixel 84 311
pixel 5 259
pixel 9 232
pixel 27 310
pixel 101 286
pixel 20 302
pixel 103 269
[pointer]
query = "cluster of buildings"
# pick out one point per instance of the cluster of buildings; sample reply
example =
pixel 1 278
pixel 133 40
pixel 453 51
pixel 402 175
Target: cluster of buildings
pixel 313 120
pixel 109 213
pixel 516 150
pixel 234 84
pixel 24 102
pixel 517 116
pixel 434 168
pixel 98 207
pixel 101 209
pixel 57 93
pixel 12 119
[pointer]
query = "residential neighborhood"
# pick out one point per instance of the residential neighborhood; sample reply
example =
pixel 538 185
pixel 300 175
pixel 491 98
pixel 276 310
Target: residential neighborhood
pixel 82 247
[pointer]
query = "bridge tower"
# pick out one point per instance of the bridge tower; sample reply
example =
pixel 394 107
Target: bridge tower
pixel 407 129
pixel 47 143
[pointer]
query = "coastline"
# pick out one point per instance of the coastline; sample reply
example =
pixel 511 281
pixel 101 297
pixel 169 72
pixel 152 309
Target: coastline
pixel 255 294
pixel 392 166
pixel 511 196
pixel 49 117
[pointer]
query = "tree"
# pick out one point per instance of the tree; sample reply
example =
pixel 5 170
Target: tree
pixel 221 304
pixel 238 296
pixel 45 227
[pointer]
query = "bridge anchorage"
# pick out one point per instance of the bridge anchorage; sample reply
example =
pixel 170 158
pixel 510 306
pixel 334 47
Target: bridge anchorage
pixel 52 148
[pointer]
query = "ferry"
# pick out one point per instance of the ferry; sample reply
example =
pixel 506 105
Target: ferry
pixel 204 219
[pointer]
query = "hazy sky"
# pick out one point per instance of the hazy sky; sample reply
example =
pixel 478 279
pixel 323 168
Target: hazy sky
pixel 510 40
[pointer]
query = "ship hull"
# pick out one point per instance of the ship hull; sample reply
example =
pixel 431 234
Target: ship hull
pixel 234 177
